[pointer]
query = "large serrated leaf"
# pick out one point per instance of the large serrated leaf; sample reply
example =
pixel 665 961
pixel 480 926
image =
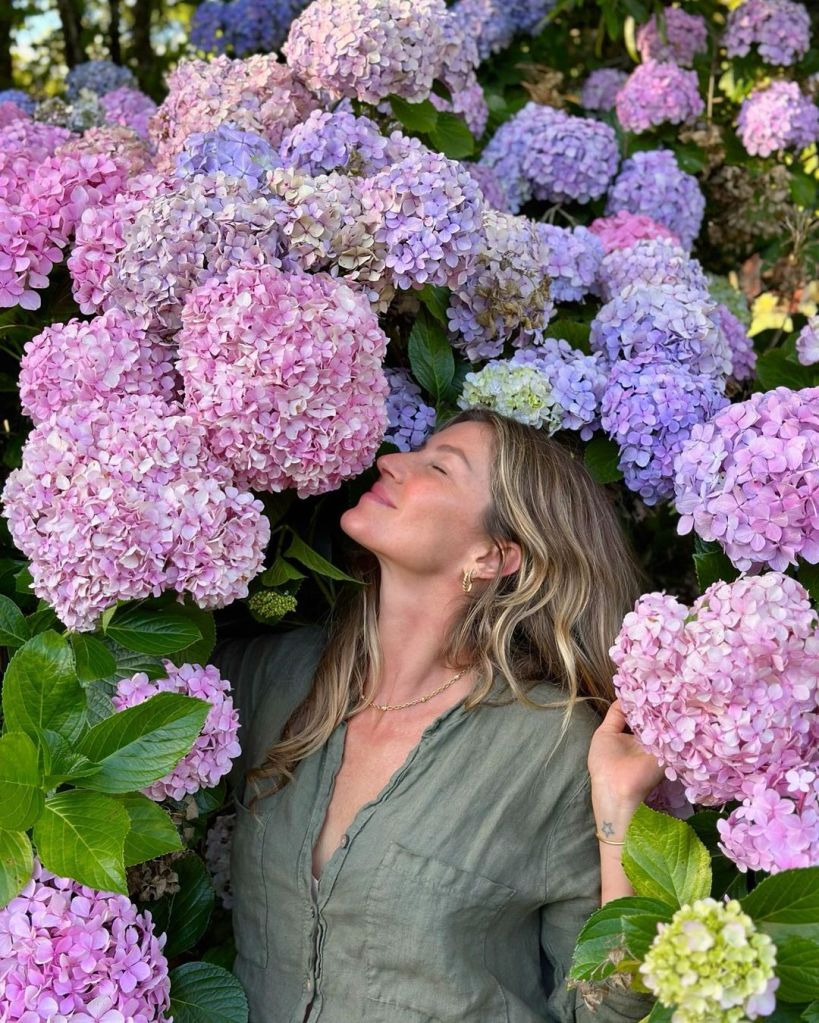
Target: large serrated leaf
pixel 16 864
pixel 452 136
pixel 206 993
pixel 797 966
pixel 159 631
pixel 601 458
pixel 603 938
pixel 13 626
pixel 415 117
pixel 21 794
pixel 41 690
pixel 786 904
pixel 152 833
pixel 299 551
pixel 184 915
pixel 82 835
pixel 430 355
pixel 664 859
pixel 93 658
pixel 137 746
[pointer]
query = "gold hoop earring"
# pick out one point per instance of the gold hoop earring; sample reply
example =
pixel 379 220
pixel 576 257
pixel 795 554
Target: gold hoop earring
pixel 467 580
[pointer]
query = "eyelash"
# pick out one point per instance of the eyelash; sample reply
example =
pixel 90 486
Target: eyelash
pixel 439 469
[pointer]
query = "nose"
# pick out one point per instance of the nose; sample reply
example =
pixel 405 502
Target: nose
pixel 391 464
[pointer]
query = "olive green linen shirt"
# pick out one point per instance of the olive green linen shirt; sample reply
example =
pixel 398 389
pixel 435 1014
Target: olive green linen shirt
pixel 455 896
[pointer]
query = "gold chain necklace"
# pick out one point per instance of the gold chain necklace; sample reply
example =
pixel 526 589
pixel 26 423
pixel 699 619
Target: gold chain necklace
pixel 421 699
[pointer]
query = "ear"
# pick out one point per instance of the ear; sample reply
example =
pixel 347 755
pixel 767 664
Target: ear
pixel 504 556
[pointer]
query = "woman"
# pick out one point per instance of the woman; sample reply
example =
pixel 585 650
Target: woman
pixel 420 838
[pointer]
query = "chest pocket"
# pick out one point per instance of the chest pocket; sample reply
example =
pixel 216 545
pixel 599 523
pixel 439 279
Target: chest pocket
pixel 426 931
pixel 249 890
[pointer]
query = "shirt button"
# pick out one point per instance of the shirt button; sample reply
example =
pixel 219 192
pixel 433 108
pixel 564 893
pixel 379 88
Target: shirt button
pixel 345 841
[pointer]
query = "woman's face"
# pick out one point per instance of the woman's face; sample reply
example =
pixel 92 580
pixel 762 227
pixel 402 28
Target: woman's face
pixel 426 510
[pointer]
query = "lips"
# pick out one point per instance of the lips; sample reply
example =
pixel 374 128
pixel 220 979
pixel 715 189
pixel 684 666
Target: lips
pixel 378 492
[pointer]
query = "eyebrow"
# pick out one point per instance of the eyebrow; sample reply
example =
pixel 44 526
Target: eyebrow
pixel 455 451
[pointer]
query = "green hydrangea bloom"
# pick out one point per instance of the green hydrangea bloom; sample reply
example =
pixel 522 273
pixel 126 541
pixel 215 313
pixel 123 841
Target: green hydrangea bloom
pixel 520 392
pixel 723 291
pixel 269 605
pixel 711 965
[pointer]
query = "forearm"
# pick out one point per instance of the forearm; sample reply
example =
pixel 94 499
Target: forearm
pixel 612 817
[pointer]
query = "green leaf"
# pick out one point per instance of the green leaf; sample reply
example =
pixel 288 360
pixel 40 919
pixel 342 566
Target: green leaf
pixel 712 567
pixel 774 369
pixel 784 1013
pixel 139 745
pixel 41 691
pixel 452 137
pixel 659 1014
pixel 416 117
pixel 206 993
pixel 786 903
pixel 808 575
pixel 13 626
pixel 281 572
pixel 152 833
pixel 797 966
pixel 430 355
pixel 160 632
pixel 664 859
pixel 436 299
pixel 42 620
pixel 576 332
pixel 299 551
pixel 184 915
pixel 690 157
pixel 23 581
pixel 208 800
pixel 198 652
pixel 61 761
pixel 93 659
pixel 811 1014
pixel 601 457
pixel 604 933
pixel 21 796
pixel 16 864
pixel 804 189
pixel 82 835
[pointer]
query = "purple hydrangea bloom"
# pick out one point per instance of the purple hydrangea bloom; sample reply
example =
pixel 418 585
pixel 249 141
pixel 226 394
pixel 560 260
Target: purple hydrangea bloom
pixel 723 693
pixel 658 93
pixel 458 75
pixel 216 746
pixel 652 261
pixel 776 118
pixel 98 76
pixel 493 23
pixel 678 37
pixel 207 27
pixel 491 186
pixel 576 380
pixel 503 156
pixel 128 107
pixel 574 261
pixel 669 322
pixel 649 409
pixel 243 27
pixel 409 420
pixel 20 99
pixel 245 155
pixel 747 478
pixel 506 293
pixel 651 183
pixel 780 30
pixel 73 953
pixel 600 89
pixel 339 141
pixel 807 343
pixel 741 347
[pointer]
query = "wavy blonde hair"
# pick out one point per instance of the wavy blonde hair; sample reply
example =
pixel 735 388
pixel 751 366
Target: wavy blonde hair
pixel 554 618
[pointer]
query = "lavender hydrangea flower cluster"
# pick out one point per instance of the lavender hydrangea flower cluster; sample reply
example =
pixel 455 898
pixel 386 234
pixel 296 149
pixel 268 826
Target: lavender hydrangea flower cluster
pixel 652 184
pixel 575 257
pixel 492 188
pixel 80 360
pixel 10 112
pixel 552 386
pixel 600 89
pixel 123 145
pixel 623 229
pixel 779 29
pixel 506 294
pixel 649 408
pixel 747 478
pixel 72 953
pixel 120 499
pixel 409 420
pixel 493 23
pixel 674 36
pixel 245 155
pixel 242 27
pixel 740 345
pixel 337 140
pixel 777 118
pixel 20 99
pixel 458 75
pixel 97 76
pixel 658 93
pixel 369 50
pixel 215 747
pixel 723 693
pixel 128 107
pixel 654 261
pixel 807 343
pixel 284 373
pixel 666 322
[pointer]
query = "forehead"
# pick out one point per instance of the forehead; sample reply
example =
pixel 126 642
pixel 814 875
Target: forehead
pixel 474 439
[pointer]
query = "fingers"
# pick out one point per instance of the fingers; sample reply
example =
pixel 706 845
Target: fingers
pixel 615 719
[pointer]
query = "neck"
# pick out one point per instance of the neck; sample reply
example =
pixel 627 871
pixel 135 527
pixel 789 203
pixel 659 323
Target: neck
pixel 413 622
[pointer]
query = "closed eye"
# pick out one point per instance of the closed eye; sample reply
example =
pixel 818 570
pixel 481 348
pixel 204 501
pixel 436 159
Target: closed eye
pixel 438 467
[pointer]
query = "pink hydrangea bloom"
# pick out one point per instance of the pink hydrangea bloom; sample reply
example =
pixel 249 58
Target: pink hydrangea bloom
pixel 28 251
pixel 71 953
pixel 122 144
pixel 747 478
pixel 776 118
pixel 216 746
pixel 723 693
pixel 658 93
pixel 128 107
pixel 623 229
pixel 807 343
pixel 120 499
pixel 24 145
pixel 600 89
pixel 650 261
pixel 368 49
pixel 10 112
pixel 257 94
pixel 80 360
pixel 779 29
pixel 284 372
pixel 740 345
pixel 678 38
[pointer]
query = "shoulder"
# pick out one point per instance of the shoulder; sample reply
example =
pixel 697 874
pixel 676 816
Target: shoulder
pixel 551 717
